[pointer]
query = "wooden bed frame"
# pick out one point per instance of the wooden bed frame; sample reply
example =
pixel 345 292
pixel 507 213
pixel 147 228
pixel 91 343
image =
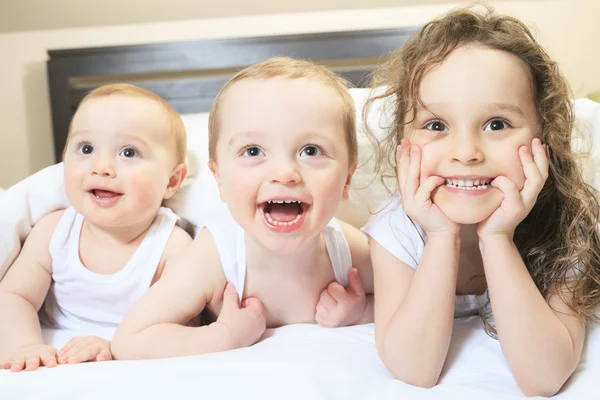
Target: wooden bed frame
pixel 189 74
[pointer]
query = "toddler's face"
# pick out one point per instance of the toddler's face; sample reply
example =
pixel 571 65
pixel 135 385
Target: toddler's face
pixel 119 160
pixel 282 158
pixel 479 110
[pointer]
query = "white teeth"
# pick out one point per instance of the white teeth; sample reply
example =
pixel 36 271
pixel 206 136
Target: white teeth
pixel 477 184
pixel 277 223
pixel 283 201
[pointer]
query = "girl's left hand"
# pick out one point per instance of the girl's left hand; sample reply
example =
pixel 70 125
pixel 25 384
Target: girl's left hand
pixel 85 348
pixel 516 205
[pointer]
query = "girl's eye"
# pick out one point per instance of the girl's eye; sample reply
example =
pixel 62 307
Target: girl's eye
pixel 436 126
pixel 129 152
pixel 253 151
pixel 311 151
pixel 86 149
pixel 496 125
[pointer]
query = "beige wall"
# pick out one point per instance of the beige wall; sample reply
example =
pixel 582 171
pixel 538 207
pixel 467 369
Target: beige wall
pixel 566 28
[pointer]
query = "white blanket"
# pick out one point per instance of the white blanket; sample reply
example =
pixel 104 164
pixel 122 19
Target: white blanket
pixel 295 362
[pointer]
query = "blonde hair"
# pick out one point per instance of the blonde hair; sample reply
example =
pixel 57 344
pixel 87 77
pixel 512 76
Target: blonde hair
pixel 175 123
pixel 293 69
pixel 558 240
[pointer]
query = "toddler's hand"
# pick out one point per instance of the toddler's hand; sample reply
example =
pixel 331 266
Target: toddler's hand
pixel 30 358
pixel 339 306
pixel 244 323
pixel 416 197
pixel 85 348
pixel 516 205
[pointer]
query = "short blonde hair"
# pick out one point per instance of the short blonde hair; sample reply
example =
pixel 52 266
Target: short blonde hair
pixel 175 123
pixel 289 68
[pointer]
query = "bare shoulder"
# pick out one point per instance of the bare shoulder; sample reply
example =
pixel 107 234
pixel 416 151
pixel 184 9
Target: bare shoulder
pixel 39 238
pixel 178 241
pixel 358 243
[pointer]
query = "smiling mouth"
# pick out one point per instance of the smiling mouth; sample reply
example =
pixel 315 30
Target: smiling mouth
pixel 283 212
pixel 466 184
pixel 104 194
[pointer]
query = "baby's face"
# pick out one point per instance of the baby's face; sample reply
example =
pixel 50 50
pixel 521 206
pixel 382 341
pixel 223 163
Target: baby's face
pixel 282 160
pixel 480 111
pixel 119 160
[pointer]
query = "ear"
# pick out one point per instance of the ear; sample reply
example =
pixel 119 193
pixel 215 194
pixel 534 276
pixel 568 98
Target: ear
pixel 212 165
pixel 176 179
pixel 346 192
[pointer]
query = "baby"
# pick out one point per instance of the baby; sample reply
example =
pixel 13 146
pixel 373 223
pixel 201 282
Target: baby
pixel 282 146
pixel 124 155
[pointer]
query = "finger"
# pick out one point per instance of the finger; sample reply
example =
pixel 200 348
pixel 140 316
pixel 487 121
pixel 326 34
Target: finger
pixel 32 363
pixel 540 157
pixel 322 316
pixel 17 364
pixel 104 355
pixel 69 345
pixel 327 301
pixel 254 304
pixel 49 360
pixel 337 291
pixel 87 353
pixel 73 351
pixel 414 170
pixel 426 189
pixel 355 285
pixel 533 178
pixel 231 298
pixel 508 189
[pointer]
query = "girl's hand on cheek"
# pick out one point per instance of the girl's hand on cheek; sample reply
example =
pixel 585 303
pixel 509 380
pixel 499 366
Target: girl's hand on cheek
pixel 516 205
pixel 416 198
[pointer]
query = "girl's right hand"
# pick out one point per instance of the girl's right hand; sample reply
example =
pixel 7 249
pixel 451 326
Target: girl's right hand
pixel 416 198
pixel 30 358
pixel 244 323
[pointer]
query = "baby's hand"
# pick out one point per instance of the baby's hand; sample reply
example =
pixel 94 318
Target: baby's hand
pixel 244 323
pixel 29 358
pixel 416 197
pixel 339 306
pixel 85 348
pixel 516 204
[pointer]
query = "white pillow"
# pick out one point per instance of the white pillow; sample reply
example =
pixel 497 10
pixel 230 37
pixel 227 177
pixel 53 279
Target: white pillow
pixel 26 202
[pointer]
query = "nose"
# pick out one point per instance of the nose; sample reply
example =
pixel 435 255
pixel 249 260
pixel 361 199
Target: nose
pixel 103 166
pixel 284 173
pixel 466 148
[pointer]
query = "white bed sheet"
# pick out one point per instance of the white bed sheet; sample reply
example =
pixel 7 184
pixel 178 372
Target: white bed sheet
pixel 295 362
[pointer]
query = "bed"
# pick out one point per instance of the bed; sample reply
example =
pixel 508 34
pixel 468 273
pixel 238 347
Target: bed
pixel 297 361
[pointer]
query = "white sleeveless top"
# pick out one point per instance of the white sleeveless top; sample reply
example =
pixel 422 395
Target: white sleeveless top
pixel 79 298
pixel 396 233
pixel 229 237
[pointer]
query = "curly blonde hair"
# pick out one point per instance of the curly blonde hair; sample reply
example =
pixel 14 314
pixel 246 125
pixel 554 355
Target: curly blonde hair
pixel 559 240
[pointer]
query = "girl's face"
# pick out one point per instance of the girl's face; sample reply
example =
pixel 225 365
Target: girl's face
pixel 478 111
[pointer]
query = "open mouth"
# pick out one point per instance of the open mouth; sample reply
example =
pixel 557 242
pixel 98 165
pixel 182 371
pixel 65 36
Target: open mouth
pixel 466 184
pixel 104 194
pixel 283 212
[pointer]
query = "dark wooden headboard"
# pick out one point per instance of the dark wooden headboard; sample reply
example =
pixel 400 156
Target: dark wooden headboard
pixel 189 74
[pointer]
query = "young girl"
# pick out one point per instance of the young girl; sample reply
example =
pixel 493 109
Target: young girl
pixel 491 206
pixel 125 154
pixel 282 146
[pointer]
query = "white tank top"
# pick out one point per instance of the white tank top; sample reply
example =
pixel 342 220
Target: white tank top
pixel 229 238
pixel 79 298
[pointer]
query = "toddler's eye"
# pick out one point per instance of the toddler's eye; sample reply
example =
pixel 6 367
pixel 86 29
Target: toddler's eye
pixel 86 149
pixel 311 151
pixel 129 152
pixel 496 125
pixel 436 126
pixel 253 151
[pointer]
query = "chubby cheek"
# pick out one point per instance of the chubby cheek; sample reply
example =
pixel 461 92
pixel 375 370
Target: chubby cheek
pixel 512 168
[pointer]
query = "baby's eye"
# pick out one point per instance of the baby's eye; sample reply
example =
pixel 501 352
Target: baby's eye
pixel 253 151
pixel 436 126
pixel 311 151
pixel 129 152
pixel 85 149
pixel 496 125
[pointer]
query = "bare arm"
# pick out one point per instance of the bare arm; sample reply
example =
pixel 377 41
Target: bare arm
pixel 153 327
pixel 542 341
pixel 414 309
pixel 24 288
pixel 361 258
